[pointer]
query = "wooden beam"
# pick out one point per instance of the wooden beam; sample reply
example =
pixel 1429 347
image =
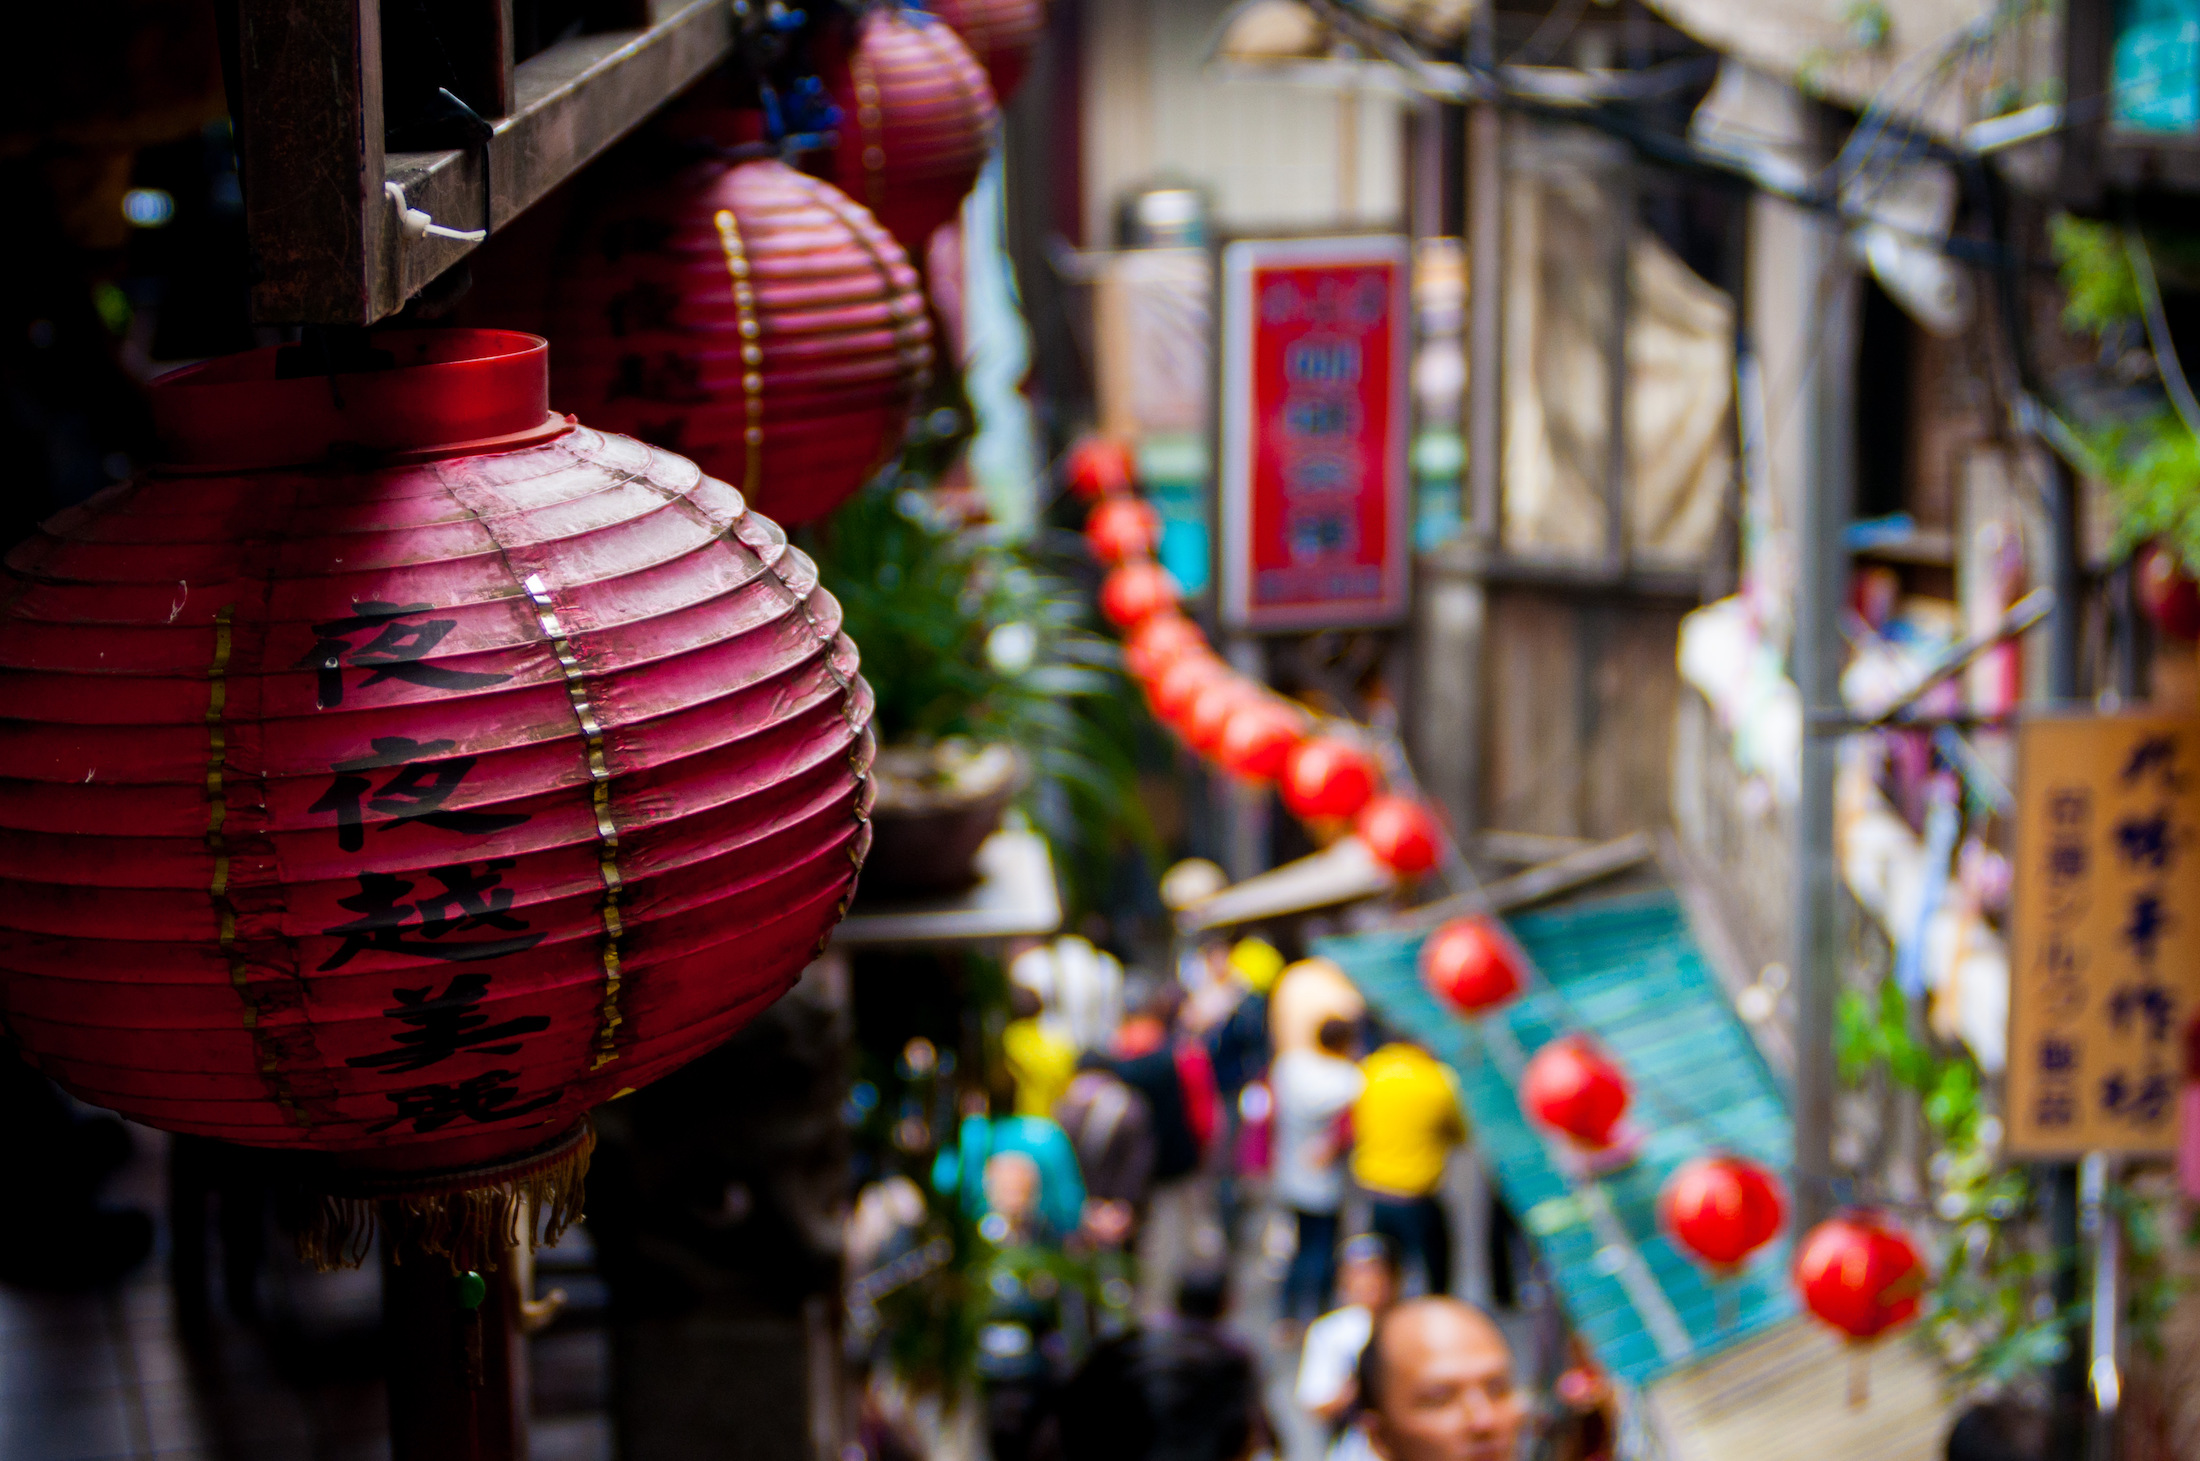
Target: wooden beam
pixel 1575 870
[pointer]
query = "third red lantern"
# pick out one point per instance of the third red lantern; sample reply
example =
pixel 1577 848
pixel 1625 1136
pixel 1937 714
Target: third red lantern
pixel 1860 1274
pixel 1326 777
pixel 1136 592
pixel 1401 834
pixel 1570 1087
pixel 1470 965
pixel 751 318
pixel 1722 1208
pixel 917 120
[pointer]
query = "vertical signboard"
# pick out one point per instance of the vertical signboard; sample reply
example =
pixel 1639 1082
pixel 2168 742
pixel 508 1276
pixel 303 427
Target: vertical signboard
pixel 1313 424
pixel 2107 946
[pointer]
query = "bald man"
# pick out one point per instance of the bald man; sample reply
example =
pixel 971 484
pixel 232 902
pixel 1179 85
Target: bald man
pixel 1436 1379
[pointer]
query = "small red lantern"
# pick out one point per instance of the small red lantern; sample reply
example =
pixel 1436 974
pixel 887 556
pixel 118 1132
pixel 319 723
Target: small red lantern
pixel 1002 34
pixel 1860 1274
pixel 917 121
pixel 2171 598
pixel 1401 834
pixel 1470 965
pixel 1570 1087
pixel 1160 642
pixel 1121 528
pixel 1135 592
pixel 1258 740
pixel 1181 683
pixel 1722 1209
pixel 1326 777
pixel 403 770
pixel 1212 708
pixel 754 319
pixel 1100 466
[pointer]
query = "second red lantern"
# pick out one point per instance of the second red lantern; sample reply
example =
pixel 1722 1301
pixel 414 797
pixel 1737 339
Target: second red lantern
pixel 1570 1087
pixel 1470 964
pixel 1722 1208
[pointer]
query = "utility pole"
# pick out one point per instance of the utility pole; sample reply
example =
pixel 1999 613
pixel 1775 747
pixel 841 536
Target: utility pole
pixel 1829 496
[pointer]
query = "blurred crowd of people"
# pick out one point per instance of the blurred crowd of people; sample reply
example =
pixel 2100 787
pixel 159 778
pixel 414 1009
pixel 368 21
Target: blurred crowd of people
pixel 1170 1144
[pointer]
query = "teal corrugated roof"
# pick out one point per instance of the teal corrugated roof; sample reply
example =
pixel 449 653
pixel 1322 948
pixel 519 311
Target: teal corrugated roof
pixel 1628 971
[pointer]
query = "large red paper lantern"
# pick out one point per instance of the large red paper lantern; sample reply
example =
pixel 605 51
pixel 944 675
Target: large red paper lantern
pixel 1570 1087
pixel 1401 834
pixel 1258 739
pixel 1122 527
pixel 1135 592
pixel 1002 34
pixel 1159 642
pixel 400 770
pixel 1100 466
pixel 1722 1209
pixel 2169 594
pixel 917 121
pixel 1326 777
pixel 1860 1274
pixel 1470 965
pixel 754 319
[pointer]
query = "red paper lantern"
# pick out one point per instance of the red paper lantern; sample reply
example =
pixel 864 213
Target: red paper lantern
pixel 1258 739
pixel 1722 1209
pixel 1212 707
pixel 1160 642
pixel 1002 34
pixel 1401 834
pixel 917 120
pixel 1181 683
pixel 1470 965
pixel 1570 1087
pixel 2171 598
pixel 754 319
pixel 401 770
pixel 1121 528
pixel 1325 777
pixel 1860 1274
pixel 1136 592
pixel 1100 466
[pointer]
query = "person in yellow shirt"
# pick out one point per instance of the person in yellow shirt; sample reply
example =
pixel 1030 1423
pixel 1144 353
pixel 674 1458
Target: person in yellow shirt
pixel 1041 1063
pixel 1404 1127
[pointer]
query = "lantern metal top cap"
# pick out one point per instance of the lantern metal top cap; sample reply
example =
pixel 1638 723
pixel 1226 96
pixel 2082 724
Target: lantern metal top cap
pixel 432 393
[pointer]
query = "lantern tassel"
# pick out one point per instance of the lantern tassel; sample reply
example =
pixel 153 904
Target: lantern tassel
pixel 1860 1376
pixel 465 1218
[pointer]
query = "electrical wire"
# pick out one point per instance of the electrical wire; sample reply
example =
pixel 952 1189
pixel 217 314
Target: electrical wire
pixel 2165 349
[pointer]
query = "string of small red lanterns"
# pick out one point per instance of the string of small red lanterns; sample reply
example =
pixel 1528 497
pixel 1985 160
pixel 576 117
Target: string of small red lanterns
pixel 1226 716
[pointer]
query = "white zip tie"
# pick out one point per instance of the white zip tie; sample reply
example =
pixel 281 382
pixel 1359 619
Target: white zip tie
pixel 417 223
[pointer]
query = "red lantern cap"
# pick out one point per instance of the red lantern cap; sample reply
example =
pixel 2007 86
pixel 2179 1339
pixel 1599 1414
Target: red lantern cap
pixel 1258 739
pixel 1860 1274
pixel 1100 466
pixel 1722 1208
pixel 1136 592
pixel 1470 964
pixel 1327 777
pixel 1122 527
pixel 1401 834
pixel 1570 1087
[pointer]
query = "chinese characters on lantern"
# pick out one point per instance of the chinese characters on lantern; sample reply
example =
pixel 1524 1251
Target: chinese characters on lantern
pixel 1313 412
pixel 2105 948
pixel 451 910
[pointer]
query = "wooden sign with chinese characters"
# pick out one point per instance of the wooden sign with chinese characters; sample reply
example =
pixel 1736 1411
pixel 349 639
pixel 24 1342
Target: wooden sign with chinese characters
pixel 2107 946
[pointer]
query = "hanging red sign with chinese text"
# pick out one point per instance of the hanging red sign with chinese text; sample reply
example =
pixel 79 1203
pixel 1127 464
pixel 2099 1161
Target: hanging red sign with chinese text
pixel 1314 423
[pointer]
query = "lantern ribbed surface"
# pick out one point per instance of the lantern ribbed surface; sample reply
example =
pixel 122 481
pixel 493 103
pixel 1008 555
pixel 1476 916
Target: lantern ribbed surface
pixel 752 318
pixel 1001 34
pixel 407 802
pixel 917 120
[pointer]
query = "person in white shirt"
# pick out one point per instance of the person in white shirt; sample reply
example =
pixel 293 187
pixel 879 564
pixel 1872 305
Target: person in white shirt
pixel 1328 1384
pixel 1314 1090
